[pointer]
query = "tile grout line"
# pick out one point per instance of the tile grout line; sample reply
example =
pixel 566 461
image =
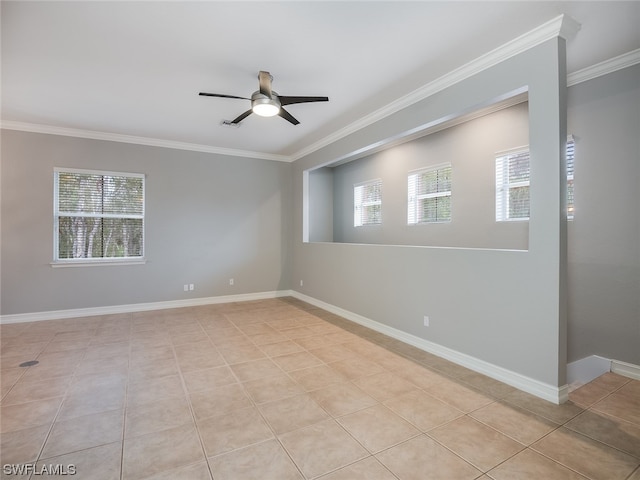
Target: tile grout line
pixel 256 405
pixel 189 404
pixel 126 398
pixel 64 395
pixel 305 392
pixel 246 393
pixel 374 341
pixel 64 398
pixel 467 414
pixel 596 412
pixel 378 402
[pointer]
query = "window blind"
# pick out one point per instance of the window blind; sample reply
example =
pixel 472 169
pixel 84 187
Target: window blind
pixel 367 201
pixel 571 149
pixel 512 184
pixel 429 195
pixel 98 215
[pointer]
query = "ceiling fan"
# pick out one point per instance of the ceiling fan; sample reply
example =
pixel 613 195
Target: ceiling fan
pixel 266 102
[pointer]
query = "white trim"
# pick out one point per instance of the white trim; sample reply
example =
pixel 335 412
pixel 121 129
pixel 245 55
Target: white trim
pixel 359 204
pixel 603 68
pixel 108 173
pixel 536 36
pixel 413 198
pixel 559 26
pixel 429 168
pixel 625 369
pixel 569 27
pixel 586 369
pixel 535 387
pixel 57 214
pixel 138 307
pixel 104 261
pixel 367 183
pixel 512 151
pixel 540 389
pixel 152 142
pixel 519 45
pixel 305 206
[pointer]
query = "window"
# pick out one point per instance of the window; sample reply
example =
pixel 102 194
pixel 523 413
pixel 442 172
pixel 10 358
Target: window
pixel 98 216
pixel 429 195
pixel 571 147
pixel 512 184
pixel 367 202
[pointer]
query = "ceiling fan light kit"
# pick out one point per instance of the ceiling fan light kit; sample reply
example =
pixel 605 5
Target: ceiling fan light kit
pixel 266 102
pixel 265 106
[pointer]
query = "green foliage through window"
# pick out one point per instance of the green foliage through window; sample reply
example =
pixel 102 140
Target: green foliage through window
pixel 98 215
pixel 429 195
pixel 367 202
pixel 512 184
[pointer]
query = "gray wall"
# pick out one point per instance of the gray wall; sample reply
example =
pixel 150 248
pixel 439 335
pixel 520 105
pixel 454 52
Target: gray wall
pixel 208 218
pixel 321 206
pixel 470 148
pixel 463 290
pixel 604 238
pixel 200 230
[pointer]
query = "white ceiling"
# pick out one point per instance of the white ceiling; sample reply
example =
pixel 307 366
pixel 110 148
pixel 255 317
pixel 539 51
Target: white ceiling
pixel 135 68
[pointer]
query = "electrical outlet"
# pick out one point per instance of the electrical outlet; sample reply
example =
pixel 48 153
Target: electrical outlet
pixel 191 287
pixel 302 283
pixel 426 321
pixel 186 288
pixel 231 281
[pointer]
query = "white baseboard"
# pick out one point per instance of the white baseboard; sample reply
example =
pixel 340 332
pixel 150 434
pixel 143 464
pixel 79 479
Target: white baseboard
pixel 626 369
pixel 579 372
pixel 138 307
pixel 586 369
pixel 540 389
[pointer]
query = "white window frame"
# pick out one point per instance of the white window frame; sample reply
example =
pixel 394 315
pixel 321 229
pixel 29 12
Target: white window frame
pixel 359 204
pixel 64 262
pixel 413 199
pixel 571 154
pixel 502 186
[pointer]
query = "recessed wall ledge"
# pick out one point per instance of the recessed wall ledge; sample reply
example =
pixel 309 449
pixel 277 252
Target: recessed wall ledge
pixel 560 26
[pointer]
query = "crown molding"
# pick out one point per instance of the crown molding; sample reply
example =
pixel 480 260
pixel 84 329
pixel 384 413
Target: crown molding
pixel 152 142
pixel 569 27
pixel 561 25
pixel 603 68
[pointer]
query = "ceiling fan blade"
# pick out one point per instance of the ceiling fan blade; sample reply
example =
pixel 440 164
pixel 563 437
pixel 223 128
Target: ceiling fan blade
pixel 287 116
pixel 284 100
pixel 265 83
pixel 204 94
pixel 242 117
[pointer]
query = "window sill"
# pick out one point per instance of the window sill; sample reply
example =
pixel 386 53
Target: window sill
pixel 438 222
pixel 98 262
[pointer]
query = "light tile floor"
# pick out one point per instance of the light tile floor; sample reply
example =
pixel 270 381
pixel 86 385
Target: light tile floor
pixel 277 390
